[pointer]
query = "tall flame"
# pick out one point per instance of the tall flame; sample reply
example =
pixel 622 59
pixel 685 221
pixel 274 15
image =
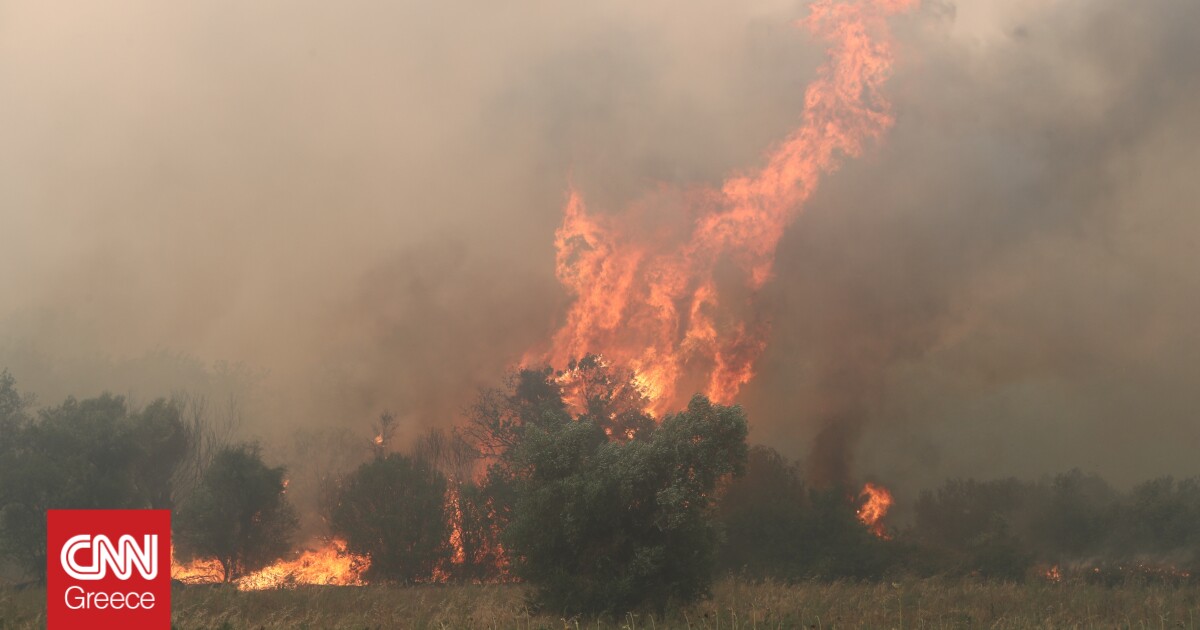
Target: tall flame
pixel 652 302
pixel 877 500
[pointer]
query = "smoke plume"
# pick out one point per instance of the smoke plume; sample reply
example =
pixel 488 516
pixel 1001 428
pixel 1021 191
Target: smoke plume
pixel 333 209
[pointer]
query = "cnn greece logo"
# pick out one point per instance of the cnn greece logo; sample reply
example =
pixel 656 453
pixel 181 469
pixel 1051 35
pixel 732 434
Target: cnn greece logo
pixel 108 569
pixel 122 557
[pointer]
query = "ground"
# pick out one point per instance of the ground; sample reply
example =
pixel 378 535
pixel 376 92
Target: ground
pixel 735 604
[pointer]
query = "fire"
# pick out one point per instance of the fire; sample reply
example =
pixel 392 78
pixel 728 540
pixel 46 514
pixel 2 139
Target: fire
pixel 877 500
pixel 454 509
pixel 649 299
pixel 199 571
pixel 331 564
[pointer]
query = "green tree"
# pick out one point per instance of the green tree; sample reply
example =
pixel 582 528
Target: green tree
pixel 13 408
pixel 603 525
pixel 392 510
pixel 238 514
pixel 82 454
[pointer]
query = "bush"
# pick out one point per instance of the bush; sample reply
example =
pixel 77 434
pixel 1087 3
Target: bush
pixel 607 526
pixel 392 509
pixel 238 514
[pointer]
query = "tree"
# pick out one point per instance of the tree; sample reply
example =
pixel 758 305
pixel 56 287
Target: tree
pixel 13 407
pixel 392 510
pixel 82 454
pixel 1074 519
pixel 163 442
pixel 238 514
pixel 601 525
pixel 498 419
pixel 1159 518
pixel 607 395
pixel 764 513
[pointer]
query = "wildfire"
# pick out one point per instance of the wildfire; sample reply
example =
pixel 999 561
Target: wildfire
pixel 877 500
pixel 649 298
pixel 331 564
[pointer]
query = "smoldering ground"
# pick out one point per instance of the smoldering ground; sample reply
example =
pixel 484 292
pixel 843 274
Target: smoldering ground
pixel 357 203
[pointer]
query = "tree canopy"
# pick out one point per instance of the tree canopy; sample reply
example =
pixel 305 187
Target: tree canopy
pixel 605 525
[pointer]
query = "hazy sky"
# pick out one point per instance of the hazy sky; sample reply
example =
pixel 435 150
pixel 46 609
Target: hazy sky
pixel 358 199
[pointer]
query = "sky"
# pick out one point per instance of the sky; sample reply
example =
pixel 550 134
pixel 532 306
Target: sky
pixel 343 208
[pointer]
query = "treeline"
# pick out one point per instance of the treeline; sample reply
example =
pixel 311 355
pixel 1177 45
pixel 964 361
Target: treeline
pixel 1072 524
pixel 99 453
pixel 1075 522
pixel 560 480
pixel 600 510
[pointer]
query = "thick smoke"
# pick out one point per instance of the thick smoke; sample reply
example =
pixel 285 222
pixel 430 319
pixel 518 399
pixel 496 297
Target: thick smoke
pixel 1004 288
pixel 356 202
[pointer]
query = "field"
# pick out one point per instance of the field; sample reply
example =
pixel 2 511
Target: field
pixel 911 604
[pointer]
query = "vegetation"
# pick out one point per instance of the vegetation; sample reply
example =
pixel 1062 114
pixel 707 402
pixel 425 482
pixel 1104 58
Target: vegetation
pixel 778 528
pixel 392 509
pixel 560 480
pixel 238 514
pixel 604 511
pixel 735 605
pixel 94 453
pixel 610 526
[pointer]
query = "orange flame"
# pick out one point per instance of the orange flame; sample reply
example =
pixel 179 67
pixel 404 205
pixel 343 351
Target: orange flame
pixel 331 564
pixel 1053 574
pixel 649 299
pixel 454 508
pixel 198 571
pixel 877 502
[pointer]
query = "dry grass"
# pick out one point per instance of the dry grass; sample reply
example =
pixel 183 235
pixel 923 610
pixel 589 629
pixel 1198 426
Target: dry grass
pixel 735 605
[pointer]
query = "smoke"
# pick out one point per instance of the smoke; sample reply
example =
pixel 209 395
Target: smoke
pixel 1002 288
pixel 356 202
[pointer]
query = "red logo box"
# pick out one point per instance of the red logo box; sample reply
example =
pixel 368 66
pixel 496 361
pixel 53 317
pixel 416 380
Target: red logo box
pixel 108 569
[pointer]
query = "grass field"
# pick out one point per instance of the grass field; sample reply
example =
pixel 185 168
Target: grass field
pixel 913 604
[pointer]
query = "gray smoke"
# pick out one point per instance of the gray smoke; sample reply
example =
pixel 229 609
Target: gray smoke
pixel 353 204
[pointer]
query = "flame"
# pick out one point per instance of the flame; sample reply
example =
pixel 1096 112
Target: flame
pixel 454 508
pixel 649 298
pixel 331 564
pixel 1053 574
pixel 1141 569
pixel 877 500
pixel 198 571
pixel 481 557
